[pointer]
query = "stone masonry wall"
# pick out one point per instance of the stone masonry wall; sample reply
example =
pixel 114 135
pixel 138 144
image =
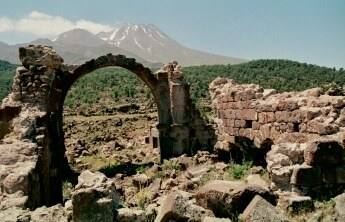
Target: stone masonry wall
pixel 259 114
pixel 303 133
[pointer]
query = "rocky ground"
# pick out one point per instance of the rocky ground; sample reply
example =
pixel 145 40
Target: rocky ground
pixel 196 188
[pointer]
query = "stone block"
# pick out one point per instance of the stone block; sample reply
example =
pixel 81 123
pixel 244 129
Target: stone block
pixel 246 114
pixel 228 198
pixel 229 114
pixel 287 105
pixel 297 204
pixel 324 153
pixel 304 175
pixel 240 123
pixel 229 122
pixel 259 210
pixel 246 133
pixel 282 116
pixel 266 117
pixel 255 125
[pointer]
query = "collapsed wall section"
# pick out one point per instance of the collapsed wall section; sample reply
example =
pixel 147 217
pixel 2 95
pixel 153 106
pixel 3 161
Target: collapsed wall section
pixel 302 132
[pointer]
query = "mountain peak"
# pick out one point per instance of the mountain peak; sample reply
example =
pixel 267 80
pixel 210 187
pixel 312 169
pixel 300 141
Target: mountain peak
pixel 79 37
pixel 152 44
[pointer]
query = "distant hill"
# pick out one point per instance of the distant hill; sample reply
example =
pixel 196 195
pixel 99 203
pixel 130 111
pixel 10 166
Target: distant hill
pixel 114 84
pixel 76 47
pixel 146 43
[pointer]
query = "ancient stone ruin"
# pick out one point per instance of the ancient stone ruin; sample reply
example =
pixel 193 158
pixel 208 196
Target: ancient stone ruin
pixel 298 135
pixel 32 150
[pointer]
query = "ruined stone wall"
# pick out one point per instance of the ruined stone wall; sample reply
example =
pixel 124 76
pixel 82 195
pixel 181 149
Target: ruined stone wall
pixel 32 150
pixel 259 114
pixel 303 132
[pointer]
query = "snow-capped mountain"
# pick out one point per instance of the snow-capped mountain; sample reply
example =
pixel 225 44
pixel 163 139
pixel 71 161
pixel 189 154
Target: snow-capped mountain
pixel 146 43
pixel 150 43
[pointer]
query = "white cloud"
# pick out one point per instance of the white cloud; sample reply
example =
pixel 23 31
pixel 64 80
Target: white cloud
pixel 45 25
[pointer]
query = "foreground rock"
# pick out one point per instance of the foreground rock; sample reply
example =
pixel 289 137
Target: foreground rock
pixel 42 214
pixel 259 210
pixel 340 207
pixel 179 206
pixel 215 219
pixel 230 198
pixel 94 199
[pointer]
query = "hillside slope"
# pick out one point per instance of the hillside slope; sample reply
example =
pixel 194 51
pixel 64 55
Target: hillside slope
pixel 114 85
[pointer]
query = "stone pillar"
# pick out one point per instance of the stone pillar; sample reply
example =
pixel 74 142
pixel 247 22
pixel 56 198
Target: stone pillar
pixel 175 115
pixel 180 110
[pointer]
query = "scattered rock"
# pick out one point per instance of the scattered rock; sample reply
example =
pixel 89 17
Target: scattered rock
pixel 94 199
pixel 179 206
pixel 256 179
pixel 229 198
pixel 215 219
pixel 259 210
pixel 130 215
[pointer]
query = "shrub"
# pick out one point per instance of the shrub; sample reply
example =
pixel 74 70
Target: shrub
pixel 238 171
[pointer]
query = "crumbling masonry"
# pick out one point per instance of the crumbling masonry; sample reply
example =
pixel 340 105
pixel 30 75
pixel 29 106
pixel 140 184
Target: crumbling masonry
pixel 32 150
pixel 299 135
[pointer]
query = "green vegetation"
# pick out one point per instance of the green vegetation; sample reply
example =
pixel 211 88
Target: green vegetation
pixel 239 171
pixel 282 75
pixel 112 83
pixel 119 85
pixel 142 198
pixel 7 71
pixel 99 162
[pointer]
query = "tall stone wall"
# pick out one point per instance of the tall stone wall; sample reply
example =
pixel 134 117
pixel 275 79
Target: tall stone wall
pixel 303 133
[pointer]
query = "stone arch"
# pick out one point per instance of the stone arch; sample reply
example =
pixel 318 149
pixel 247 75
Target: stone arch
pixel 31 118
pixel 60 87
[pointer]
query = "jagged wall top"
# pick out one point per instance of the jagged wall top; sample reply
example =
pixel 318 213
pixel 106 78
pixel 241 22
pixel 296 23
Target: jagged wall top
pixel 38 55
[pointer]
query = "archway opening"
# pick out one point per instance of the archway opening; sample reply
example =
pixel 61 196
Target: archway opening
pixel 107 113
pixel 109 123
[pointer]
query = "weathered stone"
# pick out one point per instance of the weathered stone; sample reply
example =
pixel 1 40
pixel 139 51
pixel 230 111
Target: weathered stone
pixel 324 152
pixel 305 175
pixel 39 55
pixel 215 219
pixel 130 215
pixel 340 206
pixel 256 179
pixel 298 204
pixel 94 199
pixel 229 198
pixel 259 210
pixel 178 206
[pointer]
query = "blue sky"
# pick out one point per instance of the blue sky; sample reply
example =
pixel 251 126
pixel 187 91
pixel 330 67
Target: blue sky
pixel 310 31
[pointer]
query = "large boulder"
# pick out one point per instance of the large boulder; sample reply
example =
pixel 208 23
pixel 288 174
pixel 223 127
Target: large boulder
pixel 259 210
pixel 179 206
pixel 281 160
pixel 324 152
pixel 230 198
pixel 94 199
